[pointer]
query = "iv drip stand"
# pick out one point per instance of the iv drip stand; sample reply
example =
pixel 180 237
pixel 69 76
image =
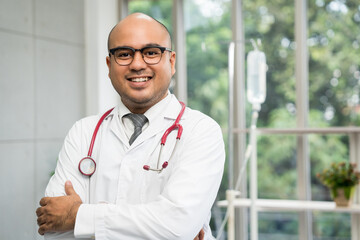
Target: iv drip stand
pixel 251 151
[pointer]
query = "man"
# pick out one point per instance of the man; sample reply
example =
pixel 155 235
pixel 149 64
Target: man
pixel 121 200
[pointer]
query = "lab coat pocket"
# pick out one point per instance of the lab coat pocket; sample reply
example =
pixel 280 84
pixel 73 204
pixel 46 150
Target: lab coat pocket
pixel 154 182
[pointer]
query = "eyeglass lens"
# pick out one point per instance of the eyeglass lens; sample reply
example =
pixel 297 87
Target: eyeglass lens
pixel 151 55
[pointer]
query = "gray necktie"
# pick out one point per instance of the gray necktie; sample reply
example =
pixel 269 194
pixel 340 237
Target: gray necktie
pixel 138 120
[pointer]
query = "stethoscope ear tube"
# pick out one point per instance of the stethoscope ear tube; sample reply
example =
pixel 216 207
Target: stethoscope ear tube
pixel 175 125
pixel 96 131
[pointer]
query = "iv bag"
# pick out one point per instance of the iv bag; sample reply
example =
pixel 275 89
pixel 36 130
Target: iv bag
pixel 256 77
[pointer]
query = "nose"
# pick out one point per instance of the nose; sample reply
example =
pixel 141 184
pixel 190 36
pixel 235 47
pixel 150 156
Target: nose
pixel 138 62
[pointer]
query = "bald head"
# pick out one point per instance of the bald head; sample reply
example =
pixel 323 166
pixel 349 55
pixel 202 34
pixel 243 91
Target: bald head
pixel 135 19
pixel 140 85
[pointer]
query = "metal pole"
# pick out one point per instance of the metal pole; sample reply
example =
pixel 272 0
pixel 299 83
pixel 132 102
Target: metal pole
pixel 253 180
pixel 231 59
pixel 231 214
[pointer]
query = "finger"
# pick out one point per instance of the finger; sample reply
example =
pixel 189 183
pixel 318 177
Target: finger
pixel 69 189
pixel 41 221
pixel 41 230
pixel 39 211
pixel 201 234
pixel 44 201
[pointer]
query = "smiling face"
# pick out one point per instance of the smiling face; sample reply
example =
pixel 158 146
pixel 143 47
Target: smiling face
pixel 140 85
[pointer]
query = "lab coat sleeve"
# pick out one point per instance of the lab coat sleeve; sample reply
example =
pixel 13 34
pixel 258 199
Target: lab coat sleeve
pixel 67 165
pixel 67 169
pixel 183 206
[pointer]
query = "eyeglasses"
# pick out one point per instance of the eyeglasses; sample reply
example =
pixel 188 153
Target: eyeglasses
pixel 125 55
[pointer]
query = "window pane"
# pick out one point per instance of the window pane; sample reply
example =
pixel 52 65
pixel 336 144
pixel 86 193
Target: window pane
pixel 278 226
pixel 273 24
pixel 334 67
pixel 331 226
pixel 324 150
pixel 208 33
pixel 277 161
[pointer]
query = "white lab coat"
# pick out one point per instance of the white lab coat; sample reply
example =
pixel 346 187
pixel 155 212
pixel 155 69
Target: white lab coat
pixel 127 202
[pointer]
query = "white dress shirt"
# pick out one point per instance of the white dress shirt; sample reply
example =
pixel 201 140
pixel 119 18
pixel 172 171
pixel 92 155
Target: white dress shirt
pixel 123 201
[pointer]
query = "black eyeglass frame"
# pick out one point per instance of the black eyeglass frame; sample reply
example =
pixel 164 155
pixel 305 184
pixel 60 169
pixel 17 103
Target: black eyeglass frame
pixel 162 49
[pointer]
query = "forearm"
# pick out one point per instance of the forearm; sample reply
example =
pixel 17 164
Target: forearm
pixel 158 220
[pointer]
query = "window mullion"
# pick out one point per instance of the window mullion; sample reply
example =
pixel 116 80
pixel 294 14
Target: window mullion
pixel 302 110
pixel 180 48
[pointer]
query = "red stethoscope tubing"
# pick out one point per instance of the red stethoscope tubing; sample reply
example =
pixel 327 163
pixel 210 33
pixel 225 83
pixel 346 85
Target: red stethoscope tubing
pixel 96 131
pixel 175 125
pixel 89 158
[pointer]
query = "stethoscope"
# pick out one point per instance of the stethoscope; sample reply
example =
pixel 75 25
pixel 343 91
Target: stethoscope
pixel 87 165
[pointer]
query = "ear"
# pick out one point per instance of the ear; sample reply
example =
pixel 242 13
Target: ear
pixel 172 62
pixel 108 63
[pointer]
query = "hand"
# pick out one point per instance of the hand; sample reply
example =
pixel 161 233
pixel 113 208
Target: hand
pixel 58 214
pixel 201 235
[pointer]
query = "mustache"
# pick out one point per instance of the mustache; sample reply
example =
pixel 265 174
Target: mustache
pixel 139 74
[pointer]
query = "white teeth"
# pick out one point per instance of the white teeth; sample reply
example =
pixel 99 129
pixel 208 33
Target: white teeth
pixel 143 79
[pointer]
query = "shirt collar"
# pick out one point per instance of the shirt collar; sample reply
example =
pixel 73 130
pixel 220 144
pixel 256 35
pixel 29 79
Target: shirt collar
pixel 122 110
pixel 153 112
pixel 159 108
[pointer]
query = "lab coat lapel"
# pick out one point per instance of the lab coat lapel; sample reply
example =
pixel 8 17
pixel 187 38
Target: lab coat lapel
pixel 116 128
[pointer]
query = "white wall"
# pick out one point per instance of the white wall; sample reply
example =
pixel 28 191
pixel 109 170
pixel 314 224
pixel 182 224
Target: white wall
pixel 100 17
pixel 42 93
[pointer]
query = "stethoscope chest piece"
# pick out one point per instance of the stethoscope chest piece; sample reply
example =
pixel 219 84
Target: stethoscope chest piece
pixel 87 166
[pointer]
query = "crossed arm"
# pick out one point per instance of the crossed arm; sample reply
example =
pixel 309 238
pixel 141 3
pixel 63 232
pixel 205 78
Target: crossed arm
pixel 58 214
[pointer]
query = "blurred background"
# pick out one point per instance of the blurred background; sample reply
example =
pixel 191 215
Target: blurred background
pixel 53 72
